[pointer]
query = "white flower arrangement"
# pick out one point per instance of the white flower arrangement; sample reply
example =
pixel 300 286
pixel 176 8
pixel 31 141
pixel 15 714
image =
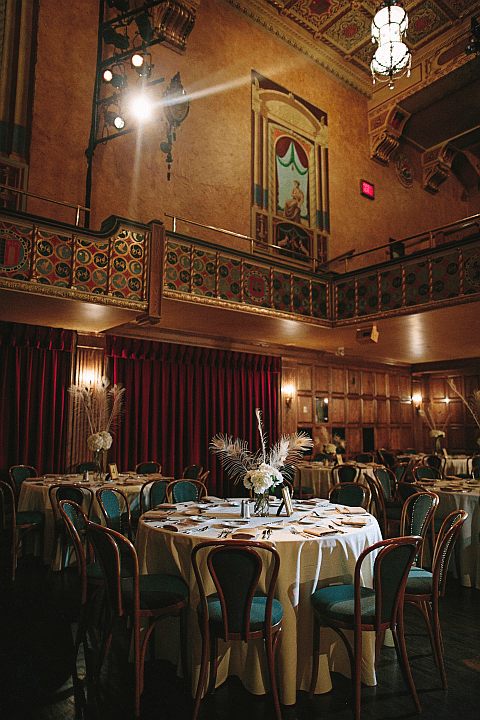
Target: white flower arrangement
pixel 100 441
pixel 437 434
pixel 262 469
pixel 329 448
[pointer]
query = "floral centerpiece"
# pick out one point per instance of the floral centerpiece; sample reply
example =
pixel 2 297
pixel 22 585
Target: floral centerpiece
pixel 329 447
pixel 102 406
pixel 263 469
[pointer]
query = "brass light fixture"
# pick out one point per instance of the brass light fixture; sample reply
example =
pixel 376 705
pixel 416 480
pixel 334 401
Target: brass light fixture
pixel 392 58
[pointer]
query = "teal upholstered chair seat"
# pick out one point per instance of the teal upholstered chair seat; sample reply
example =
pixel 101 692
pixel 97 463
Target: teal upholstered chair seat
pixel 337 603
pixel 257 612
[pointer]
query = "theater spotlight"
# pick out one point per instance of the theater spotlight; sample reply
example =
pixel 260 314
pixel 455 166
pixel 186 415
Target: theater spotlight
pixel 144 27
pixel 113 119
pixel 141 107
pixel 141 63
pixel 117 80
pixel 114 38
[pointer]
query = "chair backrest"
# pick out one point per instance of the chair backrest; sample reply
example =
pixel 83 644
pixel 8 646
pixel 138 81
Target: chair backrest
pixel 364 458
pixel 476 472
pixel 394 558
pixel 434 461
pixel 112 551
pixel 19 473
pixel 235 566
pixel 89 466
pixel 75 523
pixel 7 528
pixel 344 473
pixel 405 489
pixel 185 490
pixel 148 467
pixel 400 471
pixel 386 478
pixel 153 493
pixel 192 472
pixel 417 514
pixel 425 472
pixel 447 536
pixel 82 496
pixel 113 503
pixel 386 458
pixel 350 494
pixel 472 463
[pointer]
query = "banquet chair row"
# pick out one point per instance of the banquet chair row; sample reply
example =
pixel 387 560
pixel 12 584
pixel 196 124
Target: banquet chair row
pixel 15 525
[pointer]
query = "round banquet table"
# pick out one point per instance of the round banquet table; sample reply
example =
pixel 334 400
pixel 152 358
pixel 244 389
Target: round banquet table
pixel 34 496
pixel 306 562
pixel 457 494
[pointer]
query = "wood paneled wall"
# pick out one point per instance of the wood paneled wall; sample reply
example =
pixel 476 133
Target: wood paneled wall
pixel 358 397
pixel 461 430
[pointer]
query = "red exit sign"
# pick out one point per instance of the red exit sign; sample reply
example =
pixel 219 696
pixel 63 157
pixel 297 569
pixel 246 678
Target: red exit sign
pixel 367 189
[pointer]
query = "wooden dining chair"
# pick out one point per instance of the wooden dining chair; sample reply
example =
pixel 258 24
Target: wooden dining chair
pixel 357 608
pixel 115 508
pixel 82 496
pixel 24 521
pixel 418 514
pixel 192 472
pixel 148 467
pixel 435 461
pixel 153 493
pixel 8 554
pixel 350 494
pixel 136 597
pixel 237 611
pixel 424 587
pixel 185 490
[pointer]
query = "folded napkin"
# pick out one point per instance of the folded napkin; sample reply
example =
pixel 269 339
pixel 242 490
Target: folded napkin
pixel 157 514
pixel 353 510
pixel 317 531
pixel 165 506
pixel 245 535
pixel 356 522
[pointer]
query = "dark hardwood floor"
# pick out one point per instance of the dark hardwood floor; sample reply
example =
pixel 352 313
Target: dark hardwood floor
pixel 35 655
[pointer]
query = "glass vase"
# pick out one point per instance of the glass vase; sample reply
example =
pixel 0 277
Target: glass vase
pixel 98 465
pixel 261 506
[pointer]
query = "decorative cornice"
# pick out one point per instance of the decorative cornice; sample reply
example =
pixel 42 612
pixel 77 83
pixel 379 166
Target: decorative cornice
pixel 269 21
pixel 385 130
pixel 436 166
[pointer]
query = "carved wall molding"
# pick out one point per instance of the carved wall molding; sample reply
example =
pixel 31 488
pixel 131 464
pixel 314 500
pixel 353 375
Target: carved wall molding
pixel 385 130
pixel 436 166
pixel 174 22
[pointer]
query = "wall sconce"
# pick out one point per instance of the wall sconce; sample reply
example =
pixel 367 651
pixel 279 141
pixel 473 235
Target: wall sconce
pixel 288 393
pixel 417 401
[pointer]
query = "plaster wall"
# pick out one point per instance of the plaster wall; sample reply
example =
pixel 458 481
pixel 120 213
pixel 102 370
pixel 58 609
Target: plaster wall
pixel 211 170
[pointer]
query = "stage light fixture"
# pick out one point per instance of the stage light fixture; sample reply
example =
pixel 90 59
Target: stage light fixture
pixel 141 107
pixel 111 37
pixel 117 80
pixel 144 27
pixel 141 63
pixel 114 119
pixel 122 6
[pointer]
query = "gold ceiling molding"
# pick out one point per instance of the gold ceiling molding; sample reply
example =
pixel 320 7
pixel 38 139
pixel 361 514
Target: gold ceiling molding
pixel 268 20
pixel 174 22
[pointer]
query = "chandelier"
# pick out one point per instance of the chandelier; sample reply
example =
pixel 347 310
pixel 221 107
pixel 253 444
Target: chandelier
pixel 392 57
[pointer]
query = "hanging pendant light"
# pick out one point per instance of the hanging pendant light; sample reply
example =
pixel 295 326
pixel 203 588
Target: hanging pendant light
pixel 392 58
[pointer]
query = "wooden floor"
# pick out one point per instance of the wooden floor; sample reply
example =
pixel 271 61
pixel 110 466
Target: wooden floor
pixel 35 651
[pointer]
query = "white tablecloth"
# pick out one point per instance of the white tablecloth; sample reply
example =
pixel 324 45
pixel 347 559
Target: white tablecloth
pixel 465 496
pixel 305 564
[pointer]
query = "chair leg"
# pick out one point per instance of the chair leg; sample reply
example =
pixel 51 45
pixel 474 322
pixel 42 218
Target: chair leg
pixel 315 655
pixel 203 670
pixel 437 633
pixel 213 663
pixel 270 647
pixel 400 647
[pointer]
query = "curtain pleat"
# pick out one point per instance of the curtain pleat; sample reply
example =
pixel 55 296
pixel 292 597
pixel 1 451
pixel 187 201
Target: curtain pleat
pixel 36 370
pixel 178 397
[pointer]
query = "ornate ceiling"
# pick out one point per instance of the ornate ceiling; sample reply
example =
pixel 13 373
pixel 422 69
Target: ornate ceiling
pixel 436 110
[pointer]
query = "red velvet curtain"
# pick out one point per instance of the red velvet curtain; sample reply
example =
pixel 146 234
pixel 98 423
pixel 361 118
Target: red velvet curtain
pixel 177 398
pixel 36 369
